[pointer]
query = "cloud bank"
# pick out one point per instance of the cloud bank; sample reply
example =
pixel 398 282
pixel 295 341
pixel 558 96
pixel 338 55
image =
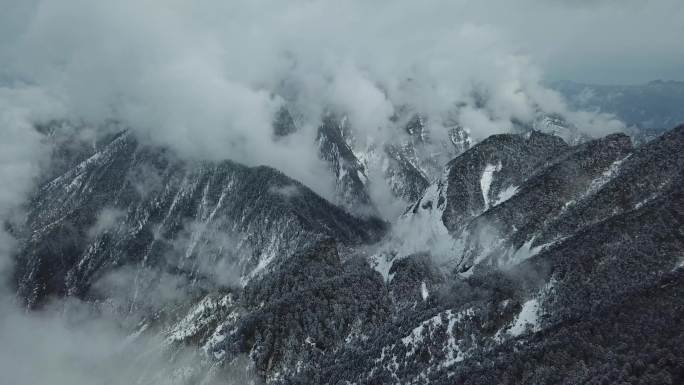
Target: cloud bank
pixel 206 77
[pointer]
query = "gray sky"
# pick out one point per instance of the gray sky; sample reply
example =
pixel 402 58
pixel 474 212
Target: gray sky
pixel 602 41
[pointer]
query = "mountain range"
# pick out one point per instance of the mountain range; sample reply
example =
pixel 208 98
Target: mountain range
pixel 652 107
pixel 533 257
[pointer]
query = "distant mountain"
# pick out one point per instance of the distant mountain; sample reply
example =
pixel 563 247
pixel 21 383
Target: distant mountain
pixel 654 106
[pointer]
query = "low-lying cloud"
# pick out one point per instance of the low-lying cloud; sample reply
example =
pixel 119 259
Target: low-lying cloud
pixel 72 344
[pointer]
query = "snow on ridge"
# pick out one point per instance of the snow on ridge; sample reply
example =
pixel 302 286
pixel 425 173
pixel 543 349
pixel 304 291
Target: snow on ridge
pixel 645 201
pixel 100 157
pixel 199 315
pixel 610 173
pixel 596 184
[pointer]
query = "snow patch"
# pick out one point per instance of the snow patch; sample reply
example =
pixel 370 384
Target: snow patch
pixel 486 181
pixel 424 291
pixel 468 273
pixel 645 201
pixel 430 328
pixel 382 263
pixel 528 317
pixel 680 265
pixel 454 353
pixel 506 194
pixel 362 177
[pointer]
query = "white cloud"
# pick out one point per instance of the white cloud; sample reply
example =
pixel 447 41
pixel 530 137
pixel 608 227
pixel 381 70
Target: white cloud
pixel 22 153
pixel 204 77
pixel 72 345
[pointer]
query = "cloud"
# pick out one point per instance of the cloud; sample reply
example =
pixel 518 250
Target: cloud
pixel 107 219
pixel 212 251
pixel 22 155
pixel 133 292
pixel 73 342
pixel 287 191
pixel 207 77
pixel 72 345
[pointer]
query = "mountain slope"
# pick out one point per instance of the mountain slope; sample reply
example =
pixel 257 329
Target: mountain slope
pixel 132 204
pixel 542 263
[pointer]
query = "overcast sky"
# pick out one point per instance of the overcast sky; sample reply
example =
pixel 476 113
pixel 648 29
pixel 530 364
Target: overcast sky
pixel 600 41
pixel 206 76
pixel 605 41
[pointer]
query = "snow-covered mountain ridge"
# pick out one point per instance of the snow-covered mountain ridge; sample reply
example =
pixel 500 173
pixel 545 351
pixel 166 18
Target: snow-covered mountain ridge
pixel 516 246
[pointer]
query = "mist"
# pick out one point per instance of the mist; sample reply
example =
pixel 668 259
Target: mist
pixel 206 78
